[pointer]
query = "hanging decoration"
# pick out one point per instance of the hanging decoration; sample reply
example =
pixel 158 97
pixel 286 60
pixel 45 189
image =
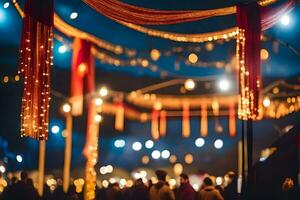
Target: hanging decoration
pixel 248 60
pixel 186 129
pixel 163 123
pixel 34 65
pixel 154 124
pixel 119 118
pixel 204 121
pixel 232 122
pixel 81 67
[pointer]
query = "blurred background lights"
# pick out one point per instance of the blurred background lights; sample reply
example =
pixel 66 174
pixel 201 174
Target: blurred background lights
pixel 2 169
pixel 98 101
pixel 62 49
pixel 199 142
pixel 103 91
pixel 178 169
pixel 218 144
pixel 165 154
pixel 173 159
pixel 6 5
pixel 189 84
pixel 98 118
pixel 155 154
pixel 66 108
pixel 136 146
pixel 119 143
pixel 188 158
pixel 149 144
pixel 264 54
pixel 224 85
pixel 266 102
pixel 19 158
pixel 219 180
pixel 193 58
pixel 73 15
pixel 285 20
pixel 55 129
pixel 145 159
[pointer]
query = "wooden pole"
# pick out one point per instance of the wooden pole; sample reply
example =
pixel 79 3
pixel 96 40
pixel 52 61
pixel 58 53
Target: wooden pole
pixel 41 172
pixel 68 153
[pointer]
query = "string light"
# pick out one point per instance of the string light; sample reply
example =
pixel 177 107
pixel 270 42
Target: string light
pixel 5 79
pixel 264 54
pixel 17 77
pixel 285 20
pixel 6 5
pixel 149 144
pixel 103 91
pixel 155 54
pixel 165 154
pixel 136 146
pixel 199 142
pixel 98 118
pixel 155 154
pixel 218 144
pixel 189 84
pixel 98 101
pixel 193 58
pixel 266 102
pixel 55 129
pixel 224 85
pixel 19 158
pixel 66 108
pixel 119 143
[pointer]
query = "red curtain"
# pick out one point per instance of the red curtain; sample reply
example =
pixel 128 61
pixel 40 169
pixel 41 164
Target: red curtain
pixel 35 61
pixel 82 67
pixel 248 19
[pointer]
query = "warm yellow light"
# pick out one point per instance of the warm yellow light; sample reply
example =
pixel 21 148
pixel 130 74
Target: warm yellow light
pixel 145 63
pixel 155 54
pixel 209 46
pixel 98 118
pixel 193 58
pixel 264 54
pixel 266 102
pixel 178 168
pixel 275 90
pixel 17 78
pixel 98 101
pixel 5 79
pixel 189 84
pixel 157 106
pixel 82 68
pixel 173 159
pixel 189 158
pixel 66 108
pixel 103 91
pixel 145 159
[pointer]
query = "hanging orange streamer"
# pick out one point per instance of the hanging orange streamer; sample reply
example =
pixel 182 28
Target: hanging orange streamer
pixel 81 64
pixel 119 120
pixel 163 123
pixel 204 122
pixel 186 129
pixel 154 124
pixel 232 122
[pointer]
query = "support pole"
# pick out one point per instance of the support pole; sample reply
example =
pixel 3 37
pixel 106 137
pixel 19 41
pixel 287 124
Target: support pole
pixel 250 177
pixel 41 172
pixel 68 153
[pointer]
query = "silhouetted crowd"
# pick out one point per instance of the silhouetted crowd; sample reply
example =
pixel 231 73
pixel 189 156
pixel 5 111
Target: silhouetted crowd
pixel 24 189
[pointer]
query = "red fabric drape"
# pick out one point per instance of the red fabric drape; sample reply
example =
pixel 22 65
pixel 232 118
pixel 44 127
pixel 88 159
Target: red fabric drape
pixel 248 18
pixel 82 66
pixel 120 11
pixel 35 61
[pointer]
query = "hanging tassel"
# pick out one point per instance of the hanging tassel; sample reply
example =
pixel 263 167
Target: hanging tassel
pixel 81 63
pixel 35 61
pixel 186 130
pixel 163 123
pixel 232 125
pixel 204 122
pixel 119 118
pixel 154 124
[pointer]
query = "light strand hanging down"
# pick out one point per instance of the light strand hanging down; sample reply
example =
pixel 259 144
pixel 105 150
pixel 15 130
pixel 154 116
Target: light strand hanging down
pixel 204 121
pixel 186 127
pixel 163 123
pixel 154 124
pixel 35 61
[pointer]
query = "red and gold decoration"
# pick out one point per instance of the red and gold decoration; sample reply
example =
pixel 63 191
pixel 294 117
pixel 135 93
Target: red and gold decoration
pixel 119 119
pixel 204 121
pixel 82 63
pixel 186 127
pixel 232 120
pixel 35 61
pixel 154 124
pixel 162 123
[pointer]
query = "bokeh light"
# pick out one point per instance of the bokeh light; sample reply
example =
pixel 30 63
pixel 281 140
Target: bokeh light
pixel 55 129
pixel 136 146
pixel 165 154
pixel 189 84
pixel 266 102
pixel 19 158
pixel 73 15
pixel 189 158
pixel 199 142
pixel 62 49
pixel 218 144
pixel 155 154
pixel 224 85
pixel 149 144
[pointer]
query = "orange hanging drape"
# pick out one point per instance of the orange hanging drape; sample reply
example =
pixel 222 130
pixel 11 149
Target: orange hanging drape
pixel 119 118
pixel 232 122
pixel 204 122
pixel 82 62
pixel 154 124
pixel 163 123
pixel 34 64
pixel 186 129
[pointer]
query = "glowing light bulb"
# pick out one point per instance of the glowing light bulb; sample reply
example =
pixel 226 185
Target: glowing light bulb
pixel 224 85
pixel 55 129
pixel 136 146
pixel 218 144
pixel 74 15
pixel 165 154
pixel 98 101
pixel 103 91
pixel 149 144
pixel 193 58
pixel 155 154
pixel 19 158
pixel 266 102
pixel 98 118
pixel 285 20
pixel 199 142
pixel 62 49
pixel 189 84
pixel 6 5
pixel 66 108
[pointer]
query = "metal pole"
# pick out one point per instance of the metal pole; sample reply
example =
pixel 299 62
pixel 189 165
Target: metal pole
pixel 41 172
pixel 68 153
pixel 250 177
